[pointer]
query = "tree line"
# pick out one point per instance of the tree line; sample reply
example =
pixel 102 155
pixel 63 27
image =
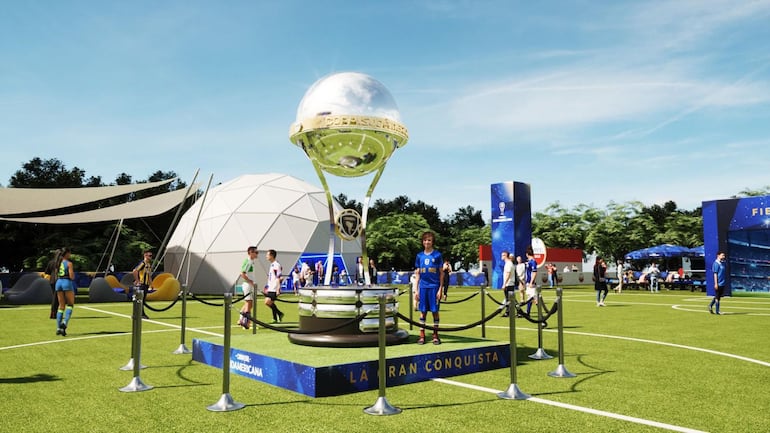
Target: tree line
pixel 25 246
pixel 393 228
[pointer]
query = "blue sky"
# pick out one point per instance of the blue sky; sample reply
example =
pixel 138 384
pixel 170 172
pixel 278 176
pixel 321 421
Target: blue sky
pixel 586 101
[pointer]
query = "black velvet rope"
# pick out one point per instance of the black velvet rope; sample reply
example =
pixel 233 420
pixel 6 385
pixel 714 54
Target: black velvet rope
pixel 453 329
pixel 461 300
pixel 213 304
pixel 297 331
pixel 158 310
pixel 554 308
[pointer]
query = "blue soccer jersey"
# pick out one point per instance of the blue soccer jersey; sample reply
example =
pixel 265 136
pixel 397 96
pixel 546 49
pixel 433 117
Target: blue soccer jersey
pixel 430 268
pixel 531 268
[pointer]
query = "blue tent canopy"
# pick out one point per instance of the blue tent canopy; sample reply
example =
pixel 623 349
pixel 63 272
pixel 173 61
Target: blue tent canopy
pixel 697 251
pixel 659 251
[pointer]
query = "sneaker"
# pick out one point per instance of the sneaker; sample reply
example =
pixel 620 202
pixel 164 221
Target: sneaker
pixel 63 329
pixel 144 316
pixel 58 331
pixel 711 310
pixel 280 317
pixel 243 322
pixel 436 340
pixel 421 340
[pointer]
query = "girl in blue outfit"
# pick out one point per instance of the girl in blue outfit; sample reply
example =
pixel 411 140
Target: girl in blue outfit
pixel 65 292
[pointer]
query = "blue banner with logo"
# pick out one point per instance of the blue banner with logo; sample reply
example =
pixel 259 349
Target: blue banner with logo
pixel 353 377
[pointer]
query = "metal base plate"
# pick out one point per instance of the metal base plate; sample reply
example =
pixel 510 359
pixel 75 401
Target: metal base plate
pixel 382 407
pixel 225 404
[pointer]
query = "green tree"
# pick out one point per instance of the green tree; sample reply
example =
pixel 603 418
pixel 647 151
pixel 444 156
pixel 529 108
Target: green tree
pixel 393 240
pixel 465 245
pixel 48 173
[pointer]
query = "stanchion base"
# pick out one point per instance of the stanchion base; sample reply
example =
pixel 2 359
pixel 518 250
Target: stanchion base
pixel 181 350
pixel 514 393
pixel 561 371
pixel 136 385
pixel 130 365
pixel 540 354
pixel 225 404
pixel 382 407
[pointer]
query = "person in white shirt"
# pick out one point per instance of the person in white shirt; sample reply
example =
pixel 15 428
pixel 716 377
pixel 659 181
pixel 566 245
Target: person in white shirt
pixel 273 287
pixel 521 276
pixel 509 280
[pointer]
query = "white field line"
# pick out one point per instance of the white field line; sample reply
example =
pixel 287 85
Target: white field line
pixel 578 408
pixel 642 340
pixel 88 337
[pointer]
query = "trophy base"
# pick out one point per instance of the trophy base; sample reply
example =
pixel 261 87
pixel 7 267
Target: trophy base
pixel 328 316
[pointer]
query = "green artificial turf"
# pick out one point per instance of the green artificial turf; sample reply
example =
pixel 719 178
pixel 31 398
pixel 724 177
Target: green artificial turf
pixel 643 358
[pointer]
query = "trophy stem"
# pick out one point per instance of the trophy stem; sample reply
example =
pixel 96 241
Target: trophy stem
pixel 364 216
pixel 330 203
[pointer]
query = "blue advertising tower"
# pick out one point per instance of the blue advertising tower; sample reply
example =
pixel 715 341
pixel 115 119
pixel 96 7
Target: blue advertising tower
pixel 511 212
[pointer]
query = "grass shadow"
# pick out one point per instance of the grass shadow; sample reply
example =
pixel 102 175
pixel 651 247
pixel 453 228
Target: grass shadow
pixel 40 377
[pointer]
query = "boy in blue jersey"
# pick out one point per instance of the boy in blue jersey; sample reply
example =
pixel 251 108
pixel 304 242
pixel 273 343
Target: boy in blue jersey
pixel 531 278
pixel 720 280
pixel 430 280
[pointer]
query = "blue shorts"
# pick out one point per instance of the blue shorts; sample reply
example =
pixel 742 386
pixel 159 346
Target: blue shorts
pixel 63 285
pixel 428 301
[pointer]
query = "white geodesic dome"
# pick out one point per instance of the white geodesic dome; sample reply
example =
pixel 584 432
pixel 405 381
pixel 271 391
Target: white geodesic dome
pixel 269 211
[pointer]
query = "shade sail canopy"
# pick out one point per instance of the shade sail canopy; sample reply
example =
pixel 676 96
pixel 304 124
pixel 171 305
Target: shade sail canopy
pixel 15 201
pixel 145 207
pixel 658 251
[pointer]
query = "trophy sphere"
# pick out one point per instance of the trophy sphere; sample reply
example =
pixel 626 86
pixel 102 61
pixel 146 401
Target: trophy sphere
pixel 349 124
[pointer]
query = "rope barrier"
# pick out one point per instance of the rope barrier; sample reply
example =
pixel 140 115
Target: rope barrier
pixel 461 300
pixel 453 329
pixel 203 301
pixel 528 318
pixel 489 295
pixel 157 310
pixel 287 301
pixel 297 331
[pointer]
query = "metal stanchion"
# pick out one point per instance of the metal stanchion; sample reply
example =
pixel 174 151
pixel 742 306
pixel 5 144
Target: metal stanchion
pixel 381 406
pixel 135 323
pixel 136 383
pixel 254 310
pixel 513 392
pixel 540 353
pixel 182 349
pixel 411 307
pixel 226 402
pixel 483 311
pixel 561 370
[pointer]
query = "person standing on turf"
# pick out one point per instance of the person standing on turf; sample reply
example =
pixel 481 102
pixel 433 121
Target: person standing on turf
pixel 600 281
pixel 430 281
pixel 249 276
pixel 719 269
pixel 65 292
pixel 52 270
pixel 531 279
pixel 273 287
pixel 143 276
pixel 509 280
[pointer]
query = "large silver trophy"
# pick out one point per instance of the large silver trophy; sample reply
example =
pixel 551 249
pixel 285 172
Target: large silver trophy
pixel 348 125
